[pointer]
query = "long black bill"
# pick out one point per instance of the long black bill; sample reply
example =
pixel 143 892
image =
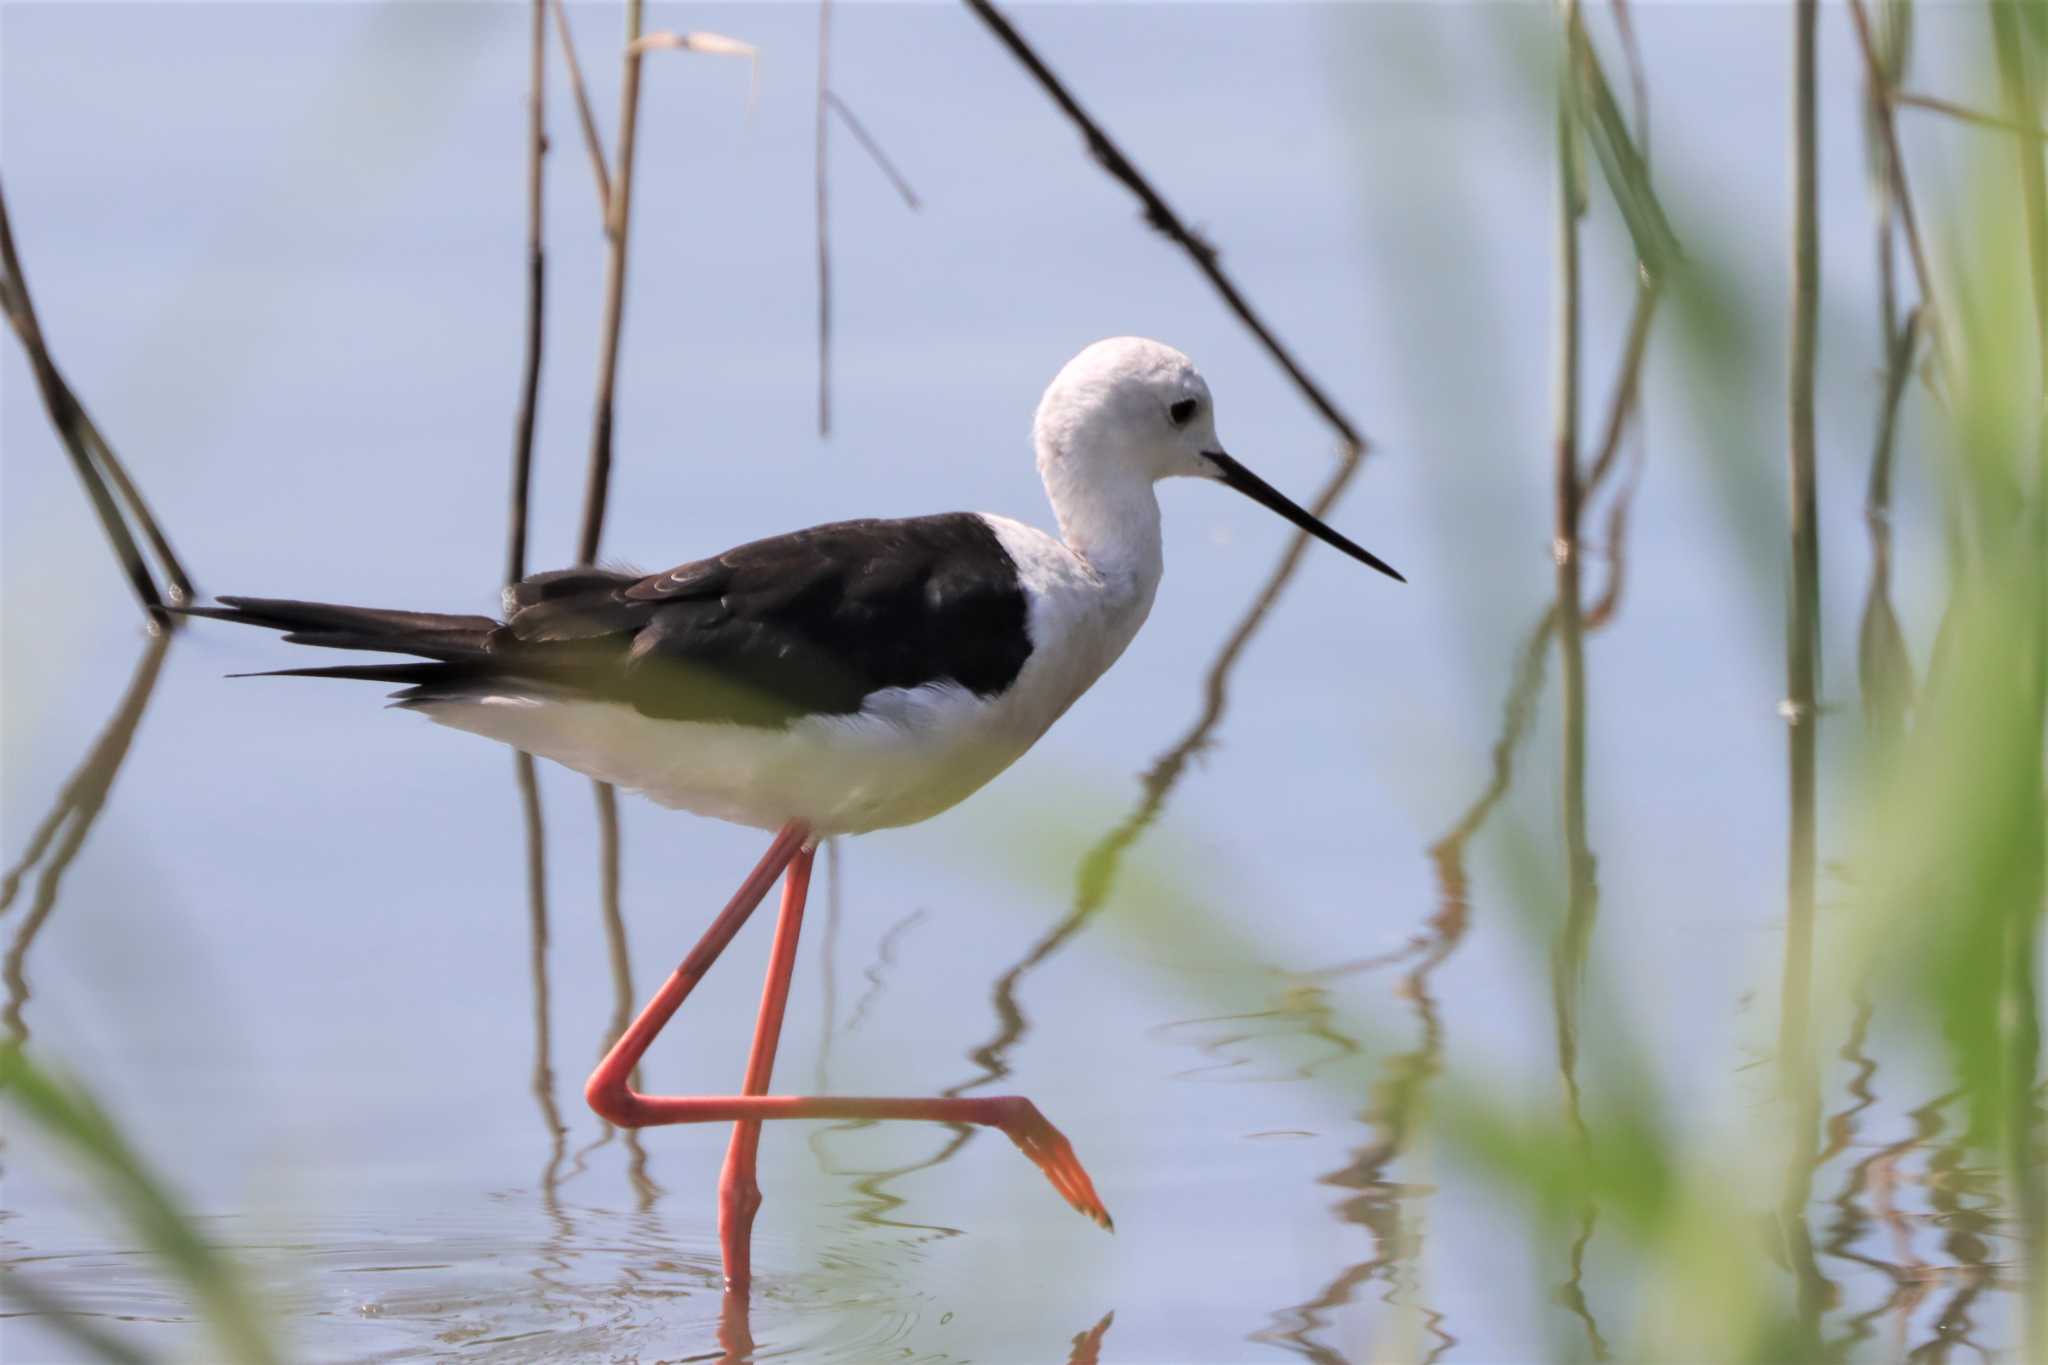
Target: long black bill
pixel 1265 495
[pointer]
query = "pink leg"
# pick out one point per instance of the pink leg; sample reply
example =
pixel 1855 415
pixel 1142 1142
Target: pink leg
pixel 609 1090
pixel 739 1194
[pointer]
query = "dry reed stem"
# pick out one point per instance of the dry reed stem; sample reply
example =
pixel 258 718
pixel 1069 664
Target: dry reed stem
pixel 1161 216
pixel 829 102
pixel 617 215
pixel 1566 504
pixel 1621 411
pixel 536 284
pixel 597 487
pixel 1923 272
pixel 532 821
pixel 824 239
pixel 91 456
pixel 1575 936
pixel 592 141
pixel 1968 115
pixel 874 150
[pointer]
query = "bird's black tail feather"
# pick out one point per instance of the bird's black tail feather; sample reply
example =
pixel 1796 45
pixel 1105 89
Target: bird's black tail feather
pixel 458 647
pixel 425 634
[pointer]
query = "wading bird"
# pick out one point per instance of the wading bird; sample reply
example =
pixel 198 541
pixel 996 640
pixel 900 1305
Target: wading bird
pixel 846 678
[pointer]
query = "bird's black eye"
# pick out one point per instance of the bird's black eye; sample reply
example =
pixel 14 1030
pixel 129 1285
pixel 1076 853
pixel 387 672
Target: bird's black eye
pixel 1183 412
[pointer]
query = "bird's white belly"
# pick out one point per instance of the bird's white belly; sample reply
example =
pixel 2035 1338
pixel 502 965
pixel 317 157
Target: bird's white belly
pixel 907 755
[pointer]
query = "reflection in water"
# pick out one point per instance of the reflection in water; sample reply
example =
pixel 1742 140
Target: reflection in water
pixel 877 1201
pixel 828 967
pixel 78 804
pixel 1880 1177
pixel 1961 1201
pixel 1099 867
pixel 98 468
pixel 1380 1204
pixel 1963 1198
pixel 537 961
pixel 1087 1349
pixel 645 1189
pixel 877 971
pixel 1303 1011
pixel 1098 871
pixel 554 1254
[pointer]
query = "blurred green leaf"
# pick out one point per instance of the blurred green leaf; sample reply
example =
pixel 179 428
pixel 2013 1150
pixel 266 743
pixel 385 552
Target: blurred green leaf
pixel 76 1125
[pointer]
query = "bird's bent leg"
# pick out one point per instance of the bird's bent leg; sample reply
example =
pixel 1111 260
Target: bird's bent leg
pixel 609 1090
pixel 1016 1117
pixel 611 1094
pixel 739 1193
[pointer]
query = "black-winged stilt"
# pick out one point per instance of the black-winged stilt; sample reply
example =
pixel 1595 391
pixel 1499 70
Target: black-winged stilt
pixel 837 680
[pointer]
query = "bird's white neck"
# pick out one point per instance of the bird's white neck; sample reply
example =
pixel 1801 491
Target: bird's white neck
pixel 1111 523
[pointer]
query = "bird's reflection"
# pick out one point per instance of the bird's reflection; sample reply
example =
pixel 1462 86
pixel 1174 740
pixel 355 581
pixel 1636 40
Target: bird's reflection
pixel 1087 1347
pixel 56 841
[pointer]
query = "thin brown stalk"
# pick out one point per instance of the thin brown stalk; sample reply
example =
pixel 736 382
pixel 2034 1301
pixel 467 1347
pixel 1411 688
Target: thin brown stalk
pixel 532 821
pixel 92 457
pixel 1628 383
pixel 1161 216
pixel 1568 494
pixel 1968 115
pixel 1909 218
pixel 597 488
pixel 1884 667
pixel 592 142
pixel 824 240
pixel 1621 413
pixel 874 150
pixel 618 218
pixel 181 589
pixel 618 215
pixel 1576 934
pixel 536 282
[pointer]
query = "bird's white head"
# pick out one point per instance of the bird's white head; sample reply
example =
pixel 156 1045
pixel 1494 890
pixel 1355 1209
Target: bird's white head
pixel 1126 408
pixel 1122 415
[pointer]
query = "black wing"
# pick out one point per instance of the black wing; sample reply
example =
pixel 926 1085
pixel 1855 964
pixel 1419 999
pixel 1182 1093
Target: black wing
pixel 807 623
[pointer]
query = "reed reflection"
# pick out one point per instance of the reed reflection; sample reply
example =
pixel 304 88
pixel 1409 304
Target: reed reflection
pixel 1097 875
pixel 876 1201
pixel 61 833
pixel 1382 1205
pixel 1881 1178
pixel 1388 1209
pixel 618 954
